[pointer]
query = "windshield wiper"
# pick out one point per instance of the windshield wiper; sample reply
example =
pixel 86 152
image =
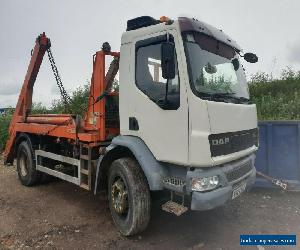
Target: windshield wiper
pixel 243 100
pixel 226 97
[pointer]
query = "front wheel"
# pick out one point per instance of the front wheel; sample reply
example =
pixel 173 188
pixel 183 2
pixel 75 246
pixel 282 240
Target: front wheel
pixel 129 196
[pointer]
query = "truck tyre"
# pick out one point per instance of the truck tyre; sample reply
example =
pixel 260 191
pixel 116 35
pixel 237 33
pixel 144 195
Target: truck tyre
pixel 129 196
pixel 28 175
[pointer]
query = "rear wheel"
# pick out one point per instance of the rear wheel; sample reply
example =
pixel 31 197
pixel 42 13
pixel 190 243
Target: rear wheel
pixel 28 175
pixel 129 196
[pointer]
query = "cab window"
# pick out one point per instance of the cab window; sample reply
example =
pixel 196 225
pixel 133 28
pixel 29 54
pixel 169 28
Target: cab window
pixel 149 76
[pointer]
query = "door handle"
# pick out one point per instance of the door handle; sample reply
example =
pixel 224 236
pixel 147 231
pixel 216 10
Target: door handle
pixel 133 124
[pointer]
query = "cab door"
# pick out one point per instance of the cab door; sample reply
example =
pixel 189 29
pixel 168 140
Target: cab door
pixel 163 128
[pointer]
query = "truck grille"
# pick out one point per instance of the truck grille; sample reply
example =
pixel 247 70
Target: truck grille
pixel 174 183
pixel 239 172
pixel 227 143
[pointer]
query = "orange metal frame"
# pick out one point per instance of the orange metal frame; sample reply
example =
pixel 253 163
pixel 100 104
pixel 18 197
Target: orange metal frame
pixel 91 130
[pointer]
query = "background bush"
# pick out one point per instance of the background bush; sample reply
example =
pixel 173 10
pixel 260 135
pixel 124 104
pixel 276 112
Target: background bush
pixel 276 99
pixel 78 103
pixel 4 124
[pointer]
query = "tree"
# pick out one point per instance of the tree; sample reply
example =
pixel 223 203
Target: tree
pixel 78 104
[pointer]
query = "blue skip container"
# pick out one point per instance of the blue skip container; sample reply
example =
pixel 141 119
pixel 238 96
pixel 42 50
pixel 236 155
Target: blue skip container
pixel 279 153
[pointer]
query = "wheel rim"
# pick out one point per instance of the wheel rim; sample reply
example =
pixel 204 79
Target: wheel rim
pixel 119 197
pixel 23 164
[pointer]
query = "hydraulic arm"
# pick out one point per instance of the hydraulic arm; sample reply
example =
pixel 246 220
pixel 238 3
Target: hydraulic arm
pixel 25 98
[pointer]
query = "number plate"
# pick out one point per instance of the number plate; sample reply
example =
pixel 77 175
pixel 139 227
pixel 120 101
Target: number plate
pixel 238 190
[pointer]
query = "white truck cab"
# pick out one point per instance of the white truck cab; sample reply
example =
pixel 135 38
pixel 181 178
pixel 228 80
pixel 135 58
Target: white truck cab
pixel 198 125
pixel 190 131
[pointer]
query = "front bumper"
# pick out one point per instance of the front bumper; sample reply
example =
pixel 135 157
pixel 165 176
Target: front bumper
pixel 230 176
pixel 218 197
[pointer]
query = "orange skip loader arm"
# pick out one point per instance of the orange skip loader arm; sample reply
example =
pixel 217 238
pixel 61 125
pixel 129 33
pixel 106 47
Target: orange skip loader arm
pixel 25 98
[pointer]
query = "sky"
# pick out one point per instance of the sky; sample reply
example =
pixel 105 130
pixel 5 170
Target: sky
pixel 78 28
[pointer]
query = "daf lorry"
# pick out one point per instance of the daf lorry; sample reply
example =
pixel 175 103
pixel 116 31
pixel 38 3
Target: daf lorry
pixel 181 122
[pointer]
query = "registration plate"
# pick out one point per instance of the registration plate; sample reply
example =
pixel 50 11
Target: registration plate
pixel 238 190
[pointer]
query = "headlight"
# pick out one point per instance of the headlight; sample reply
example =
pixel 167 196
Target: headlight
pixel 205 184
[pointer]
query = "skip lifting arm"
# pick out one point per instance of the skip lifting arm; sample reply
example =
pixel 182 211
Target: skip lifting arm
pixel 25 98
pixel 24 104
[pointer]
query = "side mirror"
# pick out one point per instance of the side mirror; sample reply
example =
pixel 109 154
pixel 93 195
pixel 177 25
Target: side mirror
pixel 250 57
pixel 168 60
pixel 236 64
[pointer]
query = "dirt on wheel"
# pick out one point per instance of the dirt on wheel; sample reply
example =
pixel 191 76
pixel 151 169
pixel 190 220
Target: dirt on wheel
pixel 59 215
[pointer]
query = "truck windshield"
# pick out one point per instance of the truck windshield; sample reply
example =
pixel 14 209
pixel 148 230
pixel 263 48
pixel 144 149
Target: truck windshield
pixel 215 70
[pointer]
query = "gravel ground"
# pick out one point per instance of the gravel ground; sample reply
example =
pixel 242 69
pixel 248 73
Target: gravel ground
pixel 58 215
